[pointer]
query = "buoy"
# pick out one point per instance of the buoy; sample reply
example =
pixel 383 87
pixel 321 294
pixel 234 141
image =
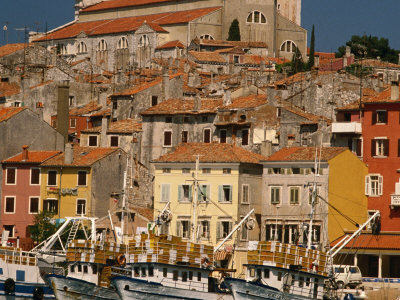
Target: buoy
pixel 121 260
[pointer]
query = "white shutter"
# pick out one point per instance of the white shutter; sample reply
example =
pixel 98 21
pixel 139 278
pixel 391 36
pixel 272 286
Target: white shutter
pixel 367 184
pixel 380 185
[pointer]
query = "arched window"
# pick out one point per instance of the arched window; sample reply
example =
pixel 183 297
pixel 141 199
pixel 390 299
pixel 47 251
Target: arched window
pixel 288 46
pixel 122 43
pixel 206 37
pixel 82 48
pixel 256 17
pixel 144 41
pixel 62 49
pixel 102 46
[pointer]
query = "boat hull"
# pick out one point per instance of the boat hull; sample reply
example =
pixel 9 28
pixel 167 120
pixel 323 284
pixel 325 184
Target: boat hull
pixel 75 289
pixel 242 289
pixel 25 290
pixel 131 288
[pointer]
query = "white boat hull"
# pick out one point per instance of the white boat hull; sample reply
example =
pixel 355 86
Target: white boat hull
pixel 131 288
pixel 75 289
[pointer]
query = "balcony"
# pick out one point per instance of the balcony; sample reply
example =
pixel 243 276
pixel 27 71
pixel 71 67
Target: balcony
pixel 346 127
pixel 394 201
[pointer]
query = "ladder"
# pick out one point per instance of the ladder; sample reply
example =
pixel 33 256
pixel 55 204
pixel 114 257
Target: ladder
pixel 73 231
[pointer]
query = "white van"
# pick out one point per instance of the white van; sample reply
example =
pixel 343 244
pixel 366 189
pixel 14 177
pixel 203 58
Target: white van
pixel 347 276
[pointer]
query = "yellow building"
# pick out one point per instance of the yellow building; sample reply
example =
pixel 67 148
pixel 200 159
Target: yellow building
pixel 81 180
pixel 229 182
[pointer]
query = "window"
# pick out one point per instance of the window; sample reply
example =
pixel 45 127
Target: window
pixel 245 137
pixel 72 123
pixel 206 37
pixel 92 141
pixel 185 136
pixel 273 232
pixel 168 120
pixel 102 45
pixel 379 117
pixel 85 269
pixel 207 135
pixel 223 229
pixel 33 205
pixel 81 207
pixel 225 193
pixel 291 234
pixel 122 43
pixel 165 272
pixel 204 119
pixel 114 141
pixel 50 205
pixel 185 170
pixel 204 192
pixel 82 175
pixel 183 228
pixel 9 205
pixel 167 138
pixel 288 46
pixel 20 275
pixel 115 105
pixel 315 235
pixel 206 170
pixel 204 229
pixel 52 178
pixel 166 170
pixel 275 194
pixel 35 176
pixel 244 233
pixel 245 193
pixel 154 100
pixel 10 229
pixel 236 59
pixel 184 276
pixel 226 171
pixel 165 192
pixel 347 117
pixel 71 100
pixel 373 185
pixel 11 176
pixel 222 136
pixel 294 194
pixel 380 147
pixel 82 48
pixel 198 276
pixel 184 193
pixel 143 41
pixel 256 17
pixel 144 271
pixel 190 275
pixel 54 123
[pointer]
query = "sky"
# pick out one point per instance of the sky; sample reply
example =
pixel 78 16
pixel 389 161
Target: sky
pixel 335 20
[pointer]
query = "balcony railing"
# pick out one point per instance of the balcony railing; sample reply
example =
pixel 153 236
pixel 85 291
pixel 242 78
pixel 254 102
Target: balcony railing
pixel 395 201
pixel 346 127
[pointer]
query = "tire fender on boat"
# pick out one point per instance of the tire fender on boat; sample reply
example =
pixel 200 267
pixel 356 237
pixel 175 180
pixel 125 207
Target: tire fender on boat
pixel 38 293
pixel 121 260
pixel 9 286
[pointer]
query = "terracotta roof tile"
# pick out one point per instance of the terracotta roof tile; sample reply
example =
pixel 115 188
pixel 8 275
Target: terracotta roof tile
pixel 183 106
pixel 211 152
pixel 8 112
pixel 33 157
pixel 82 156
pixel 171 44
pixel 378 63
pixel 11 48
pixel 127 24
pixel 308 116
pixel 205 56
pixel 85 109
pixel 122 126
pixel 383 241
pixel 105 5
pixel 9 89
pixel 241 44
pixel 41 84
pixel 305 154
pixel 250 101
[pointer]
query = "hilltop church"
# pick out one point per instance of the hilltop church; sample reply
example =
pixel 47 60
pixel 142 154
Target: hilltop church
pixel 114 33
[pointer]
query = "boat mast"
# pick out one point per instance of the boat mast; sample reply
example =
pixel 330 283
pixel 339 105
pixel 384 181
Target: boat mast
pixel 124 202
pixel 194 225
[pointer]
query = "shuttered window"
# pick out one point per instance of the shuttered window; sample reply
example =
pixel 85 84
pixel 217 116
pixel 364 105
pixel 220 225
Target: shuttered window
pixel 225 193
pixel 11 176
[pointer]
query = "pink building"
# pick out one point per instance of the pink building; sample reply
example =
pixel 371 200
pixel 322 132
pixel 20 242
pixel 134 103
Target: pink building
pixel 21 192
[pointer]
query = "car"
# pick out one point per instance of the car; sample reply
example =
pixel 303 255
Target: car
pixel 347 276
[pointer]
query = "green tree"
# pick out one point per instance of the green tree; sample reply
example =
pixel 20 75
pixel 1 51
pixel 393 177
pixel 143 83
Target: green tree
pixel 44 226
pixel 234 31
pixel 297 63
pixel 312 50
pixel 371 47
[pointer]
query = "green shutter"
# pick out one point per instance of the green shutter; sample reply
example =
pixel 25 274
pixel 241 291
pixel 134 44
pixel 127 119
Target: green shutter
pixel 230 193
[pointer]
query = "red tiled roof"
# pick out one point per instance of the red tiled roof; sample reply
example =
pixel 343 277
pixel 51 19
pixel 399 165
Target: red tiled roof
pixel 8 112
pixel 82 156
pixel 376 63
pixel 305 154
pixel 41 84
pixel 85 109
pixel 10 48
pixel 383 241
pixel 33 157
pixel 105 5
pixel 329 55
pixel 183 106
pixel 171 44
pixel 223 43
pixel 211 152
pixel 9 89
pixel 207 56
pixel 250 101
pixel 309 117
pixel 127 24
pixel 122 126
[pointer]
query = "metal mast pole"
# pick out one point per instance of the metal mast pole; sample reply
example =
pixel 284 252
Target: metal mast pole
pixel 194 225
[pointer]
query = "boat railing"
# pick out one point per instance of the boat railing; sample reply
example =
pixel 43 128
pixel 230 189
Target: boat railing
pixel 16 256
pixel 189 285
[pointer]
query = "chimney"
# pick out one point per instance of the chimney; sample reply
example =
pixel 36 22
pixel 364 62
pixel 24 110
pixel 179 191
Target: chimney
pixel 103 134
pixel 69 154
pixel 165 83
pixel 197 102
pixel 227 97
pixel 394 92
pixel 25 152
pixel 63 110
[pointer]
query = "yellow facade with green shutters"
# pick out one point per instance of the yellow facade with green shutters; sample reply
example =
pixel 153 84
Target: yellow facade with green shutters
pixel 66 193
pixel 346 193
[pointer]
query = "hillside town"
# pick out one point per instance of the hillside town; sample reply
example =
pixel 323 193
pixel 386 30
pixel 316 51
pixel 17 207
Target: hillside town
pixel 147 111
